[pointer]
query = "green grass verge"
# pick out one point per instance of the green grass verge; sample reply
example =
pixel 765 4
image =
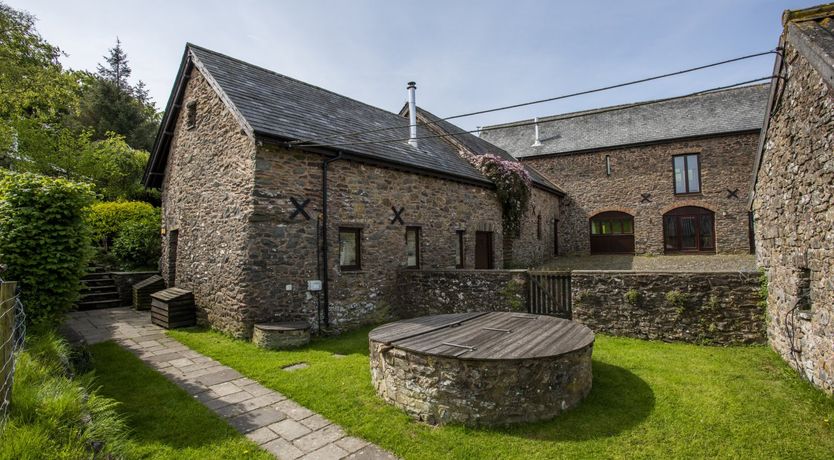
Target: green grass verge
pixel 164 421
pixel 649 399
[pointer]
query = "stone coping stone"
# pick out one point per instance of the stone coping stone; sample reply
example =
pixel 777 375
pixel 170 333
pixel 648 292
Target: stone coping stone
pixel 284 326
pixel 664 272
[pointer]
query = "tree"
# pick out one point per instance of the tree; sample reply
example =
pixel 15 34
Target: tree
pixel 33 85
pixel 118 70
pixel 111 104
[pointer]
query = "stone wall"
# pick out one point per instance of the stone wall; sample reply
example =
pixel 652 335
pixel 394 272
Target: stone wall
pixel 125 281
pixel 794 212
pixel 439 390
pixel 283 250
pixel 433 292
pixel 726 162
pixel 708 308
pixel 207 199
pixel 532 246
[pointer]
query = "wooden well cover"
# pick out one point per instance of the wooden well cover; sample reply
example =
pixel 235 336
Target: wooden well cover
pixel 496 335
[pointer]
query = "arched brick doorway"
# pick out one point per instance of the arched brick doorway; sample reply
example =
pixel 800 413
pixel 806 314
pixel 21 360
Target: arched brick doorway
pixel 689 229
pixel 612 232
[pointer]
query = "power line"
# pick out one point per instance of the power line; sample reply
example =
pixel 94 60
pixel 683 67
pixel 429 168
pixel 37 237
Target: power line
pixel 541 101
pixel 530 123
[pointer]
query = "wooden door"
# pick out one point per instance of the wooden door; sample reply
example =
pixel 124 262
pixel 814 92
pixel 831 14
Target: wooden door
pixel 483 250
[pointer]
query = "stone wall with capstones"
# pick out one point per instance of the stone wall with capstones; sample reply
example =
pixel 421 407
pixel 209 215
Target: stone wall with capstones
pixel 705 308
pixel 726 164
pixel 794 220
pixel 433 292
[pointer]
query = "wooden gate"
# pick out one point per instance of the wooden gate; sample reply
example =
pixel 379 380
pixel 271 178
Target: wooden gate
pixel 550 294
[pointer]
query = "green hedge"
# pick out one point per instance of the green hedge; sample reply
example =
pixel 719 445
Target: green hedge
pixel 44 241
pixel 127 230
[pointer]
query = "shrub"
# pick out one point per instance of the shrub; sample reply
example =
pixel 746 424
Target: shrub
pixel 130 229
pixel 44 241
pixel 108 218
pixel 138 243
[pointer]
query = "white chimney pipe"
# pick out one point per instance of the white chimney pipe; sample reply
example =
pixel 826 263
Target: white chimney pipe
pixel 412 113
pixel 536 141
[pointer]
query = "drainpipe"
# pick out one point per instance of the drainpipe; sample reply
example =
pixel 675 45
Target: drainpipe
pixel 325 274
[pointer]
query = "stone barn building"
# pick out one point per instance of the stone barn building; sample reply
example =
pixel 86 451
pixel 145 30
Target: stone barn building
pixel 648 178
pixel 793 199
pixel 262 228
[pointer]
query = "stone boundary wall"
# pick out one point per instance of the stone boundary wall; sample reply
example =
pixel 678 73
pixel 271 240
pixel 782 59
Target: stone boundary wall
pixel 719 308
pixel 125 281
pixel 432 292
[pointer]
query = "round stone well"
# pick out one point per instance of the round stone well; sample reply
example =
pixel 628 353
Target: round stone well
pixel 482 369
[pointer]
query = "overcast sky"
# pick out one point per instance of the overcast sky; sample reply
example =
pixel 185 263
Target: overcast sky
pixel 464 55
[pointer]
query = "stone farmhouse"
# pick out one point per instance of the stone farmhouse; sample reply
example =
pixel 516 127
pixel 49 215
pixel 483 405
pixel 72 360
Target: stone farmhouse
pixel 648 178
pixel 262 229
pixel 793 199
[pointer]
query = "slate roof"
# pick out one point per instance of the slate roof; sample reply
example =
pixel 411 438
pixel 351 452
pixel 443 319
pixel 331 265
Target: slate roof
pixel 479 146
pixel 731 110
pixel 282 108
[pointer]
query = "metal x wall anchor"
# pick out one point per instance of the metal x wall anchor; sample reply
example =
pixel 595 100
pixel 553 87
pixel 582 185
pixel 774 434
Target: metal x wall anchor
pixel 299 208
pixel 646 198
pixel 397 215
pixel 732 193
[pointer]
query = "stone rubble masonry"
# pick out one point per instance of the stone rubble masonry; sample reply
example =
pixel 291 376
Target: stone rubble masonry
pixel 248 262
pixel 794 212
pixel 207 198
pixel 438 390
pixel 707 308
pixel 277 424
pixel 270 337
pixel 726 162
pixel 434 292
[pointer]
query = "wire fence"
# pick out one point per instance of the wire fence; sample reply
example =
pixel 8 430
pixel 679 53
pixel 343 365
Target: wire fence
pixel 12 334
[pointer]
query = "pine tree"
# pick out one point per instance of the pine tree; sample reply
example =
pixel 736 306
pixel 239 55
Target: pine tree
pixel 118 70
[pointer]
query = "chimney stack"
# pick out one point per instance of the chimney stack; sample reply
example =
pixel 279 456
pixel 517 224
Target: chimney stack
pixel 536 141
pixel 412 113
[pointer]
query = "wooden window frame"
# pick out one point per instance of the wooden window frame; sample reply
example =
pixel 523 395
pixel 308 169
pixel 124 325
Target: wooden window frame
pixel 461 248
pixel 358 265
pixel 697 213
pixel 417 232
pixel 685 156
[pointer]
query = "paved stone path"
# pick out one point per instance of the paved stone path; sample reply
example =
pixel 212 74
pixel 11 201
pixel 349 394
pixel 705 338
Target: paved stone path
pixel 278 424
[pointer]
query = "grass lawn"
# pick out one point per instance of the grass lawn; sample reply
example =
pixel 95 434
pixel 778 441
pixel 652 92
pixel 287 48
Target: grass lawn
pixel 649 399
pixel 164 421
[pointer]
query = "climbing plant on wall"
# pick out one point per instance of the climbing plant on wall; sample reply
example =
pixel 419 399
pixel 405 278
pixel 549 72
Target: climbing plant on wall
pixel 513 187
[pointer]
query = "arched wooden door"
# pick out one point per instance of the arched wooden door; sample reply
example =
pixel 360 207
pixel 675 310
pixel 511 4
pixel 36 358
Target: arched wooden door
pixel 689 229
pixel 612 232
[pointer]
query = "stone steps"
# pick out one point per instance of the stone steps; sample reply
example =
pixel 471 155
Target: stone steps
pixel 98 291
